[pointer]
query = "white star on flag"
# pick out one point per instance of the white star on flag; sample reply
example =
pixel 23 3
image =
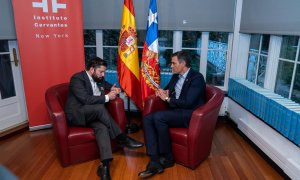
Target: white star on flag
pixel 152 18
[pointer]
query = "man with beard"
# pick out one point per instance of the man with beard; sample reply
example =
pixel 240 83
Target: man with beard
pixel 85 107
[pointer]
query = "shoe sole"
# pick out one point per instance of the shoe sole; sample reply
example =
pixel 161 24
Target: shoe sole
pixel 123 146
pixel 149 175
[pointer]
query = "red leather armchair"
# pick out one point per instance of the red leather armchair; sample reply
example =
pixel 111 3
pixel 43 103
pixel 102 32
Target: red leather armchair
pixel 76 144
pixel 192 145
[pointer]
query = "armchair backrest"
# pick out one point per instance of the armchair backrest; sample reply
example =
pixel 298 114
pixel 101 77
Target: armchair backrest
pixel 214 96
pixel 56 97
pixel 211 108
pixel 207 112
pixel 203 122
pixel 62 93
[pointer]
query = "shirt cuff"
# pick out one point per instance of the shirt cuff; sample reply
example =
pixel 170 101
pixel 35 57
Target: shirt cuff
pixel 106 98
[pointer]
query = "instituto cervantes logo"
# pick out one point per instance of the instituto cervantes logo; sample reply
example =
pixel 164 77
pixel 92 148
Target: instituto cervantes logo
pixel 52 17
pixel 44 5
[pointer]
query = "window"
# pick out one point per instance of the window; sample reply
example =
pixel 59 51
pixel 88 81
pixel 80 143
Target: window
pixel 191 42
pixel 104 43
pixel 110 48
pixel 89 44
pixel 288 72
pixel 7 87
pixel 141 36
pixel 217 58
pixel 165 43
pixel 257 58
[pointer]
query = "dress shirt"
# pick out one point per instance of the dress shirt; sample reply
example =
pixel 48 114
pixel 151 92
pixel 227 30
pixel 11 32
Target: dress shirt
pixel 96 91
pixel 179 84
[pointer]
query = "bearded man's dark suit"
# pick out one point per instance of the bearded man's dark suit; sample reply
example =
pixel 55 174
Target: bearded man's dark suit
pixel 84 109
pixel 157 124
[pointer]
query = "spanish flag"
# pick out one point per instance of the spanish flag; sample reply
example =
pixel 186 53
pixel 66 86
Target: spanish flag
pixel 128 63
pixel 150 68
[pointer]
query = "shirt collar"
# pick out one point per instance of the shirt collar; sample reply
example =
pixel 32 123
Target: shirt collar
pixel 185 74
pixel 90 77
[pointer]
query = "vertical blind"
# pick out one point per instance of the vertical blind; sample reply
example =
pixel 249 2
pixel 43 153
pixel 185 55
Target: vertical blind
pixel 280 17
pixel 7 24
pixel 197 15
pixel 192 15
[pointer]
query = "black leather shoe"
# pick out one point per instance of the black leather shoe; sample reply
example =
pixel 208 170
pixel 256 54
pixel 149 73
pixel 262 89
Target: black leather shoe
pixel 152 168
pixel 166 163
pixel 130 143
pixel 103 172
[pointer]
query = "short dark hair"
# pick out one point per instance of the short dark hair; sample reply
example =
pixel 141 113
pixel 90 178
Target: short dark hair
pixel 183 56
pixel 95 63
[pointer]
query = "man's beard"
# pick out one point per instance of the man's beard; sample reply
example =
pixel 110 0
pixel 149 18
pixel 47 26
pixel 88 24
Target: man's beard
pixel 97 79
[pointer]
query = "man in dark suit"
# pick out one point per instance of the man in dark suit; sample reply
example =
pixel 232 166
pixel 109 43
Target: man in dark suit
pixel 184 93
pixel 85 107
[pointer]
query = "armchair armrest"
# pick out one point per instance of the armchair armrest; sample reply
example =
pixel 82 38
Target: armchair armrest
pixel 56 113
pixel 117 111
pixel 153 104
pixel 61 132
pixel 59 124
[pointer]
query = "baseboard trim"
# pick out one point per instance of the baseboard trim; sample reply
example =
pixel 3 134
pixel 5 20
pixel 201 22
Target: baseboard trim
pixel 44 126
pixel 8 132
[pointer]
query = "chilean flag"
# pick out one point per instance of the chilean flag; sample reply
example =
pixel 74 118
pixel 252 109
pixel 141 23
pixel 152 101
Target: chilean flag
pixel 150 69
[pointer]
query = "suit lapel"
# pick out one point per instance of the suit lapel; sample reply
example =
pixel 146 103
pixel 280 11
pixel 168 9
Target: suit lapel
pixel 172 85
pixel 187 80
pixel 88 82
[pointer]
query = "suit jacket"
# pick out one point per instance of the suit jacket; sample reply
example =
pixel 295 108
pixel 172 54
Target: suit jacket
pixel 80 94
pixel 192 93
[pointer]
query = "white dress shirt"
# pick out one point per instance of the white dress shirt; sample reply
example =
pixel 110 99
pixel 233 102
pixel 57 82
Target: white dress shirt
pixel 179 84
pixel 96 91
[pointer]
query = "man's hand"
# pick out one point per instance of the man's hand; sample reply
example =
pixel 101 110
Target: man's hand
pixel 112 95
pixel 162 94
pixel 115 89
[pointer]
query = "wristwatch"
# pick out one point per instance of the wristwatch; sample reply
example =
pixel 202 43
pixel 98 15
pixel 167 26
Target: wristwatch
pixel 167 99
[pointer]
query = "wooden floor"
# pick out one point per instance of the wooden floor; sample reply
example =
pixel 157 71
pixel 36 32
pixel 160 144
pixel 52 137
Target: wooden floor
pixel 31 155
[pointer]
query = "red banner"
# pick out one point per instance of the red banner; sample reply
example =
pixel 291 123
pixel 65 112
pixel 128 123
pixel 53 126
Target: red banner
pixel 50 39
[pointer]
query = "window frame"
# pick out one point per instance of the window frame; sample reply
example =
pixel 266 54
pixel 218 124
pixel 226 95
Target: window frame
pixel 177 46
pixel 295 63
pixel 259 57
pixel 272 61
pixel 228 57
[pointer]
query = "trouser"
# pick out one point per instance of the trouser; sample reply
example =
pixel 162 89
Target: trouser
pixel 156 129
pixel 98 118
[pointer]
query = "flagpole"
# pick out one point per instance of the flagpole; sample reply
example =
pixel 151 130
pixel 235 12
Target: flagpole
pixel 128 104
pixel 130 126
pixel 128 63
